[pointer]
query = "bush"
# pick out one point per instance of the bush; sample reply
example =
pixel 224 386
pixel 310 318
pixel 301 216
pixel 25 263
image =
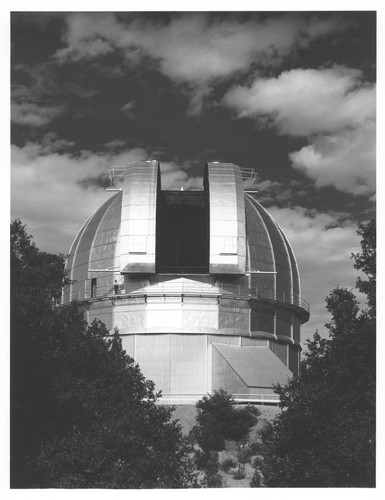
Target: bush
pixel 228 463
pixel 218 420
pixel 239 474
pixel 257 462
pixel 201 459
pixel 243 453
pixel 208 462
pixel 213 480
pixel 255 446
pixel 247 455
pixel 239 426
pixel 253 410
pixel 257 480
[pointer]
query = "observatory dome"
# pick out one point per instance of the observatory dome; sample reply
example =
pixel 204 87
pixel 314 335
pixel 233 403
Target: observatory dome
pixel 203 285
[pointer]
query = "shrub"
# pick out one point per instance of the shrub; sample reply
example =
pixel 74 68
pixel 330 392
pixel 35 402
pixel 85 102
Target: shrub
pixel 239 474
pixel 227 463
pixel 213 480
pixel 201 459
pixel 208 461
pixel 254 410
pixel 255 446
pixel 257 462
pixel 219 420
pixel 257 481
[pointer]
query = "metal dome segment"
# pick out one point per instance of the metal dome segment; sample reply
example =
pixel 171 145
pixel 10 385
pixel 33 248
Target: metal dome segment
pixel 282 264
pixel 79 262
pixel 67 291
pixel 138 224
pixel 227 218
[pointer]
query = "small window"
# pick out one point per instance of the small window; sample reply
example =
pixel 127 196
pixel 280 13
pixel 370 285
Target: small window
pixel 228 245
pixel 93 287
pixel 137 244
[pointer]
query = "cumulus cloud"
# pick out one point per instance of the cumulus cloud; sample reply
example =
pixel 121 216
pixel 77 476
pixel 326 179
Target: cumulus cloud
pixel 127 109
pixel 174 178
pixel 302 102
pixel 55 193
pixel 346 160
pixel 333 108
pixel 35 115
pixel 117 144
pixel 51 143
pixel 323 248
pixel 192 47
pixel 47 191
pixel 35 100
pixel 275 191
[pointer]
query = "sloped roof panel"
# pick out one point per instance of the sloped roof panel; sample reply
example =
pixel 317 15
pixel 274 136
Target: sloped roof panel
pixel 257 366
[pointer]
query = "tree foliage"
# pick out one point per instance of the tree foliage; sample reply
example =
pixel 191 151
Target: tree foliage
pixel 366 262
pixel 82 413
pixel 325 433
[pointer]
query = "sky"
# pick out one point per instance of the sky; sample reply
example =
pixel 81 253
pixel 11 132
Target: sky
pixel 291 95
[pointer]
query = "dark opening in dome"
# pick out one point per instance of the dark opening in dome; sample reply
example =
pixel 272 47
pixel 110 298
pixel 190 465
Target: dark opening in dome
pixel 182 233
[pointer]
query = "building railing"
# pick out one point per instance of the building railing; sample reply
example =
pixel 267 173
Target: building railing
pixel 168 398
pixel 198 288
pixel 266 398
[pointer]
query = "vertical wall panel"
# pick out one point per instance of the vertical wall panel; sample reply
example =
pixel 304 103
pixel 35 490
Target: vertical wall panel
pixel 254 342
pixel 101 310
pixel 280 350
pixel 200 314
pixel 164 314
pixel 294 359
pixel 262 390
pixel 296 329
pixel 153 353
pixel 262 317
pixel 284 321
pixel 130 315
pixel 128 344
pixel 189 364
pixel 234 316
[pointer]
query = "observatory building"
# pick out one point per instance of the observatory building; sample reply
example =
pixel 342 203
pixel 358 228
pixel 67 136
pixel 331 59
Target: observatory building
pixel 202 285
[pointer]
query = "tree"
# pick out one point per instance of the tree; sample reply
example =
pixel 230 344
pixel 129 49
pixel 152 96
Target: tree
pixel 36 280
pixel 82 413
pixel 325 433
pixel 366 261
pixel 219 420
